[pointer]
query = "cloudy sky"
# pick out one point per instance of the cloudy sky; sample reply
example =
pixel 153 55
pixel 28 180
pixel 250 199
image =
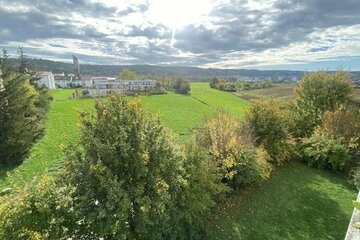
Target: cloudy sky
pixel 262 34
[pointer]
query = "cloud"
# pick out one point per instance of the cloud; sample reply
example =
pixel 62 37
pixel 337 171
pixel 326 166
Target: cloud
pixel 234 33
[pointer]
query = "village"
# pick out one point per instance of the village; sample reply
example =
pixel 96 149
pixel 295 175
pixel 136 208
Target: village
pixel 96 85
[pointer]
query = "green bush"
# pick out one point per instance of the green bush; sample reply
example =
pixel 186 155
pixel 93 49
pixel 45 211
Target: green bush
pixel 318 93
pixel 355 177
pixel 232 150
pixel 269 123
pixel 324 152
pixel 251 166
pixel 40 210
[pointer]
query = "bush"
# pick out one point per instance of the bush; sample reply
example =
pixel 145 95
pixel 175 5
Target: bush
pixel 269 124
pixel 232 150
pixel 251 166
pixel 355 177
pixel 325 152
pixel 40 210
pixel 343 124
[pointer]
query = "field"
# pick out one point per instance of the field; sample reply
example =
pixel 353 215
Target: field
pixel 283 91
pixel 297 202
pixel 178 112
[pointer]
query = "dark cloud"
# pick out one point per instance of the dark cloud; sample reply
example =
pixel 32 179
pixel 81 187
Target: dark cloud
pixel 239 28
pixel 155 31
pixel 233 28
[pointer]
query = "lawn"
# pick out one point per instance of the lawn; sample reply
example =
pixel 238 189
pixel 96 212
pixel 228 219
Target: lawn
pixel 297 202
pixel 181 113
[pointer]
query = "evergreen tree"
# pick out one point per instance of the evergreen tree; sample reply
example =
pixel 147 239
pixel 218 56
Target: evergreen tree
pixel 132 181
pixel 21 121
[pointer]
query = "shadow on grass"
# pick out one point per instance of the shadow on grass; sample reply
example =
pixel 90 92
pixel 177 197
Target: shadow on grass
pixel 296 203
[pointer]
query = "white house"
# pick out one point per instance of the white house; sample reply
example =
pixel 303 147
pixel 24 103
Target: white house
pixel 63 81
pixel 46 79
pixel 103 86
pixel 85 81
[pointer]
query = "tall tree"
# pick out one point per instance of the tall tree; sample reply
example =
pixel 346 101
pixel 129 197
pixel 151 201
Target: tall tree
pixel 318 93
pixel 131 181
pixel 21 121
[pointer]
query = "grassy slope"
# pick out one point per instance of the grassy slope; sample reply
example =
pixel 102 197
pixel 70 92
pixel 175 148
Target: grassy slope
pixel 180 113
pixel 297 202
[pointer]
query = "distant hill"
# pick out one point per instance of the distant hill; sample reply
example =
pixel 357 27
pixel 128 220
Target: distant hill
pixel 152 71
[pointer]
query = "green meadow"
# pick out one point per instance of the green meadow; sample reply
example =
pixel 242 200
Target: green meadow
pixel 181 113
pixel 297 202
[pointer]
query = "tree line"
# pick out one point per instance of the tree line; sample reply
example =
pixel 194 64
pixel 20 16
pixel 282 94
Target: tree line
pixel 235 86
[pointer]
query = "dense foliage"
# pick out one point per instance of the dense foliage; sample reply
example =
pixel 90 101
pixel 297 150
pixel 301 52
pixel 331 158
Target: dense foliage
pixel 21 114
pixel 325 152
pixel 318 93
pixel 127 180
pixel 181 86
pixel 233 151
pixel 269 125
pixel 224 85
pixel 343 124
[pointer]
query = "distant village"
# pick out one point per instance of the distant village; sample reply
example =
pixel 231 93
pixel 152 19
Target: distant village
pixel 97 86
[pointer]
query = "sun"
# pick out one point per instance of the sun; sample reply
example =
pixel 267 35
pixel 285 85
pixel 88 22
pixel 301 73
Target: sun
pixel 176 14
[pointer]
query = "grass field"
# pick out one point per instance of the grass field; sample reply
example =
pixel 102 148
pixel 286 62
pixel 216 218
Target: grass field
pixel 297 202
pixel 178 112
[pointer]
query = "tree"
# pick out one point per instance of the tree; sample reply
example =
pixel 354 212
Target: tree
pixel 181 86
pixel 132 181
pixel 270 128
pixel 21 120
pixel 318 93
pixel 214 82
pixel 126 74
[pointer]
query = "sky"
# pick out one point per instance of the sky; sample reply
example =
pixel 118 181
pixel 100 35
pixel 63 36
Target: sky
pixel 256 34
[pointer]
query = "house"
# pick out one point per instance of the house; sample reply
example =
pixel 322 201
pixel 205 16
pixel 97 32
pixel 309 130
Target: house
pixel 103 86
pixel 46 79
pixel 84 81
pixel 63 81
pixel 139 85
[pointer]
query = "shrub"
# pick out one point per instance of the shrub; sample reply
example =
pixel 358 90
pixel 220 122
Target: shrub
pixel 355 177
pixel 344 124
pixel 251 166
pixel 268 122
pixel 324 152
pixel 40 210
pixel 232 151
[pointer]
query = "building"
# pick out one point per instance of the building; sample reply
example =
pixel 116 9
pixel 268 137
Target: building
pixel 84 81
pixel 63 81
pixel 139 85
pixel 76 66
pixel 103 86
pixel 46 79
